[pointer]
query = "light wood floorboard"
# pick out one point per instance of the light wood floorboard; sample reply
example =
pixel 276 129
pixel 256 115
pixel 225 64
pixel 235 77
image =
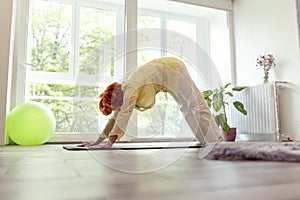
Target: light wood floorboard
pixel 49 172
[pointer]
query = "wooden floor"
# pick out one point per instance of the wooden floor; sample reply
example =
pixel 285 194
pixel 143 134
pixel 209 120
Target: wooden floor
pixel 49 172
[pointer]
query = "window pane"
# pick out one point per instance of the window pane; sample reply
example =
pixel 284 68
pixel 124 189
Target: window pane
pixel 53 90
pixel 162 120
pixel 97 31
pixel 181 38
pixel 182 41
pixel 149 38
pixel 49 39
pixel 75 107
pixel 220 45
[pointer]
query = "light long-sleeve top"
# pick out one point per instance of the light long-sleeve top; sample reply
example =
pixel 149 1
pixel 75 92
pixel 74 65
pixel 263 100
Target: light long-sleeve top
pixel 140 89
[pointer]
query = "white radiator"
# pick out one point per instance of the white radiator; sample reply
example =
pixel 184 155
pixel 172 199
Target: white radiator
pixel 262 120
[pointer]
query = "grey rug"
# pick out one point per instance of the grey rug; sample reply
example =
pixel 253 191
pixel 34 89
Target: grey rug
pixel 256 151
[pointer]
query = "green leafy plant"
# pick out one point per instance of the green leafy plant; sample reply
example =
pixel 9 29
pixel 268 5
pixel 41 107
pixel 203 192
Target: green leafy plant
pixel 219 99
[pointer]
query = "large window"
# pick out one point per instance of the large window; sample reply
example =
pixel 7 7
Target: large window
pixel 75 48
pixel 187 32
pixel 71 54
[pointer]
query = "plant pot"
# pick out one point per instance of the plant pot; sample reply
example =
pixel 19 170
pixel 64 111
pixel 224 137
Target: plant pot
pixel 230 136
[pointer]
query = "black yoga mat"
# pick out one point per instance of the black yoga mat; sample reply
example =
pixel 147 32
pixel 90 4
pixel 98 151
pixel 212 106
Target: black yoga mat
pixel 140 146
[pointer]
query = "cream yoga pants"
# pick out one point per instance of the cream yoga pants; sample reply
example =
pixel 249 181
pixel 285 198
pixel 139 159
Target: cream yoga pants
pixel 195 110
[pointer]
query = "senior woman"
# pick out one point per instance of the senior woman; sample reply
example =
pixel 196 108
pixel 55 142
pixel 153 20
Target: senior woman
pixel 167 74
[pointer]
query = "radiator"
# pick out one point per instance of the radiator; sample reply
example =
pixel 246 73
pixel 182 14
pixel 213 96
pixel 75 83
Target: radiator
pixel 262 120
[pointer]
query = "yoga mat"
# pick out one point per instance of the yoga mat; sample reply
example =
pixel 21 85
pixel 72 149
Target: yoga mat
pixel 140 146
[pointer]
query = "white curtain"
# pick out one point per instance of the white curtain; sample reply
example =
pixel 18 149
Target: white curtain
pixel 14 18
pixel 6 24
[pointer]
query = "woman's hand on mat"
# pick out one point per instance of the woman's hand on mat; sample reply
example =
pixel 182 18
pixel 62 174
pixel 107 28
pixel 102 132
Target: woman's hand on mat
pixel 109 143
pixel 88 144
pixel 100 146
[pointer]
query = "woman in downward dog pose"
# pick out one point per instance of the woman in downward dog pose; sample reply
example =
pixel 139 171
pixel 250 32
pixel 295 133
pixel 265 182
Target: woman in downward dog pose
pixel 167 74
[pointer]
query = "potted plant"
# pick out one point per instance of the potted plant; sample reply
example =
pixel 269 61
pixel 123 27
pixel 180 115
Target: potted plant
pixel 219 100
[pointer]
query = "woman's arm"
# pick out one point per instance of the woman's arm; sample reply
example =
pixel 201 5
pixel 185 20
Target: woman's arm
pixel 109 126
pixel 116 131
pixel 117 125
pixel 124 114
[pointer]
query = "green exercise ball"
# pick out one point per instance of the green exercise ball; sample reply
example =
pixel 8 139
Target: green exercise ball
pixel 30 124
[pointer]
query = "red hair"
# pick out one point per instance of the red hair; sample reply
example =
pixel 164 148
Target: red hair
pixel 111 98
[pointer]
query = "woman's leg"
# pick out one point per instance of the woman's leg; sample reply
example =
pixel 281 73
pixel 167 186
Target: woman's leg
pixel 195 110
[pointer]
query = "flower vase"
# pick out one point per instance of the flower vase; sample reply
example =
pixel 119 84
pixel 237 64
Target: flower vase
pixel 266 77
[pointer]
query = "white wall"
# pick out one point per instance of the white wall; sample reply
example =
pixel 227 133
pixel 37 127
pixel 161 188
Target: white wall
pixel 268 26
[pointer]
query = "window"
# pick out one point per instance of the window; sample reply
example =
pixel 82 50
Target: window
pixel 184 31
pixel 75 48
pixel 71 51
